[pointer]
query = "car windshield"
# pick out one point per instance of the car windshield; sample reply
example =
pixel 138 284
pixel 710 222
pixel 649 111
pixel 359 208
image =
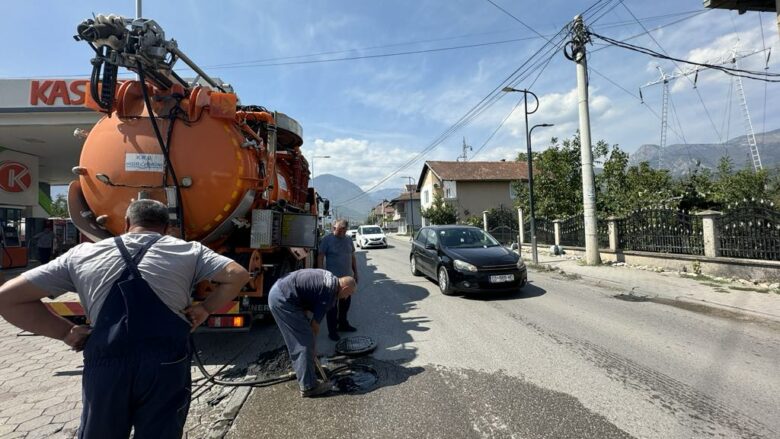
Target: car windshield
pixel 465 238
pixel 371 230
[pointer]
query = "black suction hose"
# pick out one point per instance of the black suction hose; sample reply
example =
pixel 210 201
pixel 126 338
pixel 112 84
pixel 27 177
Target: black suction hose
pixel 245 383
pixel 164 148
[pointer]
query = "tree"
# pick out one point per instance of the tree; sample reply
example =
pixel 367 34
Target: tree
pixel 440 212
pixel 557 178
pixel 59 207
pixel 745 184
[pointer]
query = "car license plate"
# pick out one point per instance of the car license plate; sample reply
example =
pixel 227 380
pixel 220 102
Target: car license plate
pixel 502 278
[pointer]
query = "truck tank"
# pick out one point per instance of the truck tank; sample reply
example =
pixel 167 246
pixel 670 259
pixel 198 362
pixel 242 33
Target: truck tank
pixel 233 176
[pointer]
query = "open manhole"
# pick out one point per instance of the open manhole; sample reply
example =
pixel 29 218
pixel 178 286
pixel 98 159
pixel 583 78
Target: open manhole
pixel 354 378
pixel 356 345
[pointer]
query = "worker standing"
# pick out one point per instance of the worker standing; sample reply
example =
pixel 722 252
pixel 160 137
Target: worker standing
pixel 309 290
pixel 135 290
pixel 44 242
pixel 337 255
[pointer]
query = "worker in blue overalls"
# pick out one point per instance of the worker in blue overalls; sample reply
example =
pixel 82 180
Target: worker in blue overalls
pixel 135 290
pixel 291 299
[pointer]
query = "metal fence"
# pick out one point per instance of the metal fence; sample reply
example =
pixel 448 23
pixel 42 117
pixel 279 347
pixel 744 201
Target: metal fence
pixel 750 230
pixel 602 233
pixel 506 235
pixel 573 231
pixel 661 230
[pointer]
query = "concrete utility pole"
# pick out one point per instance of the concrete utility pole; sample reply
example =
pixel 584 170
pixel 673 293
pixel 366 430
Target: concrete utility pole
pixel 592 256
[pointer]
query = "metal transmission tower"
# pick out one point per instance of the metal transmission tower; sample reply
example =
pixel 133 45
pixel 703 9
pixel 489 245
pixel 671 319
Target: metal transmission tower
pixel 466 149
pixel 751 135
pixel 730 58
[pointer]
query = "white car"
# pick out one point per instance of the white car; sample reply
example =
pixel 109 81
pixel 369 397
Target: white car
pixel 370 236
pixel 352 233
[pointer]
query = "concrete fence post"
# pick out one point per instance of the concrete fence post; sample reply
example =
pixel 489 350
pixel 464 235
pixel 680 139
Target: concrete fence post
pixel 521 232
pixel 484 220
pixel 710 232
pixel 557 228
pixel 612 230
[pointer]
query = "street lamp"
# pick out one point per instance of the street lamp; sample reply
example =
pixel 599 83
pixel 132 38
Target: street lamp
pixel 534 253
pixel 411 202
pixel 312 164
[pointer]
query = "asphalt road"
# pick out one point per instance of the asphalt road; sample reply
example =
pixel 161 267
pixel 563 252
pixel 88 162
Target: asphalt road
pixel 562 358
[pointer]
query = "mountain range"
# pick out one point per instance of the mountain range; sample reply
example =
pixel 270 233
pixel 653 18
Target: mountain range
pixel 347 200
pixel 680 159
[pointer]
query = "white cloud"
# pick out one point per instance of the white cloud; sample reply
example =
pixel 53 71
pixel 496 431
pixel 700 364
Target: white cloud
pixel 360 161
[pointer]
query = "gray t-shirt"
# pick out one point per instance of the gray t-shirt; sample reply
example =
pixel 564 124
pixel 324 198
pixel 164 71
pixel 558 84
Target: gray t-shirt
pixel 338 254
pixel 171 267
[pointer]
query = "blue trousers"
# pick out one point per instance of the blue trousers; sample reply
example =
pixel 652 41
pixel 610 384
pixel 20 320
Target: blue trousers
pixel 296 331
pixel 149 394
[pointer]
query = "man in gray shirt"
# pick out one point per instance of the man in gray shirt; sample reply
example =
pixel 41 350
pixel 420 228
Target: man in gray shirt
pixel 136 293
pixel 337 255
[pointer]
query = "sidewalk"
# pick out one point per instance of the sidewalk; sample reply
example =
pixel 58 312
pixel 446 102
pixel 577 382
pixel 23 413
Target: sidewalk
pixel 662 286
pixel 650 283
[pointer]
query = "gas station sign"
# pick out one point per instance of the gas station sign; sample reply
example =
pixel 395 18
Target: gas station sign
pixel 18 178
pixel 14 177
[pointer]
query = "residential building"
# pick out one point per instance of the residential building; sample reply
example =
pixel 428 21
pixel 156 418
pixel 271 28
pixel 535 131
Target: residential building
pixel 471 187
pixel 407 209
pixel 383 212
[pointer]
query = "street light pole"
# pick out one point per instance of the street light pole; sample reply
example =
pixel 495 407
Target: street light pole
pixel 534 253
pixel 411 202
pixel 312 164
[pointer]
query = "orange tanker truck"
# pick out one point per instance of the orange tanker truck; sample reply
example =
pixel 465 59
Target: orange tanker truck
pixel 232 175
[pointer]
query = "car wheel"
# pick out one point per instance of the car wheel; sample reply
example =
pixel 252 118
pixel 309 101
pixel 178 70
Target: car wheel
pixel 444 282
pixel 413 267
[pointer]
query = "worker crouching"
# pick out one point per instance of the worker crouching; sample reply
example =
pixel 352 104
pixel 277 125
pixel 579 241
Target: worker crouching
pixel 305 291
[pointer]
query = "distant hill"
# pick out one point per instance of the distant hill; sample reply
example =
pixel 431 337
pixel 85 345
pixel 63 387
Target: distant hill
pixel 339 190
pixel 680 158
pixel 383 194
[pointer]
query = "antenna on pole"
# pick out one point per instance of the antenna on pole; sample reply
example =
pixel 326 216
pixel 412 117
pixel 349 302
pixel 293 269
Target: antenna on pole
pixel 464 155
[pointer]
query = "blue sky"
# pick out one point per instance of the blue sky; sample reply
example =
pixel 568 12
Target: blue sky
pixel 373 113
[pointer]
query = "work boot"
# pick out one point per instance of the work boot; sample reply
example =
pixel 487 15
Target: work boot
pixel 321 388
pixel 333 336
pixel 346 327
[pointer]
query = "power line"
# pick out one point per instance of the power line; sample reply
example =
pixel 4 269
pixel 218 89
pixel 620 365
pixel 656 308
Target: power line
pixel 484 103
pixel 706 110
pixel 749 74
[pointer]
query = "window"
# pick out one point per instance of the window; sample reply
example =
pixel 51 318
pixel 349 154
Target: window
pixel 425 197
pixel 421 235
pixel 450 191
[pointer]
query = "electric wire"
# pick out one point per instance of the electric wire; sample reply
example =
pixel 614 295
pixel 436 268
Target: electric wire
pixel 470 115
pixel 492 97
pixel 748 74
pixel 701 99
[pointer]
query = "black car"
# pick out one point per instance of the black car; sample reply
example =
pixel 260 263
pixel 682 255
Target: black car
pixel 466 259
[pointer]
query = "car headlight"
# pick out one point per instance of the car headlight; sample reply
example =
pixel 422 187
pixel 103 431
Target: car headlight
pixel 520 263
pixel 463 266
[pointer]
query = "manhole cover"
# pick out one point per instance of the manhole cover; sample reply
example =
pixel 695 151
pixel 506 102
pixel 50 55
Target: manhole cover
pixel 357 345
pixel 354 378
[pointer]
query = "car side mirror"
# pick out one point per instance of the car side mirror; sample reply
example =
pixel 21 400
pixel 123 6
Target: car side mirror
pixel 430 246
